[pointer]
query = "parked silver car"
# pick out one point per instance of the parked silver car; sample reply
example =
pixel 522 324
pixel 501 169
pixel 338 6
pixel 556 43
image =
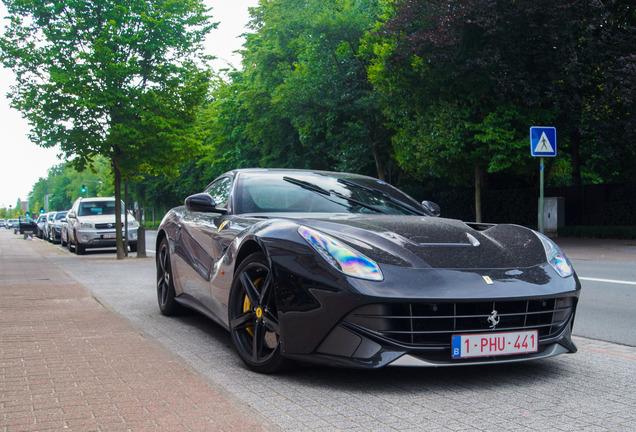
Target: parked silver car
pixel 41 222
pixel 47 223
pixel 91 224
pixel 54 226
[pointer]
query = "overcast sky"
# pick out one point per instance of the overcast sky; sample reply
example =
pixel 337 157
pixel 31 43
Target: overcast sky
pixel 22 163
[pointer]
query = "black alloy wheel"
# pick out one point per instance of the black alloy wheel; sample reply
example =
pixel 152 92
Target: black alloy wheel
pixel 253 316
pixel 165 284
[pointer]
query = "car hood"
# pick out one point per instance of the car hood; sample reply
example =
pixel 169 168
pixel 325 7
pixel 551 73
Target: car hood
pixel 427 242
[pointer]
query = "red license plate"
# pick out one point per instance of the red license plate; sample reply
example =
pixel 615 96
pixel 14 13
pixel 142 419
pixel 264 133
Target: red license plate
pixel 109 236
pixel 494 344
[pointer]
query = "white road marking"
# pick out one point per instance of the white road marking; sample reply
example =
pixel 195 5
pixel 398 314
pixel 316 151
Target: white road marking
pixel 608 281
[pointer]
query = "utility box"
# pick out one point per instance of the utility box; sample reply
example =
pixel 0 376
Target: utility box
pixel 553 213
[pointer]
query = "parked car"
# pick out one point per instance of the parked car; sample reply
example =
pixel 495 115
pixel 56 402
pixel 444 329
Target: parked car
pixel 346 270
pixel 41 221
pixel 54 226
pixel 91 224
pixel 3 223
pixel 12 224
pixel 64 232
pixel 26 225
pixel 47 224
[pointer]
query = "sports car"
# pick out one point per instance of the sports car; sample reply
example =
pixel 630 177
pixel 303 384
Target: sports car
pixel 345 270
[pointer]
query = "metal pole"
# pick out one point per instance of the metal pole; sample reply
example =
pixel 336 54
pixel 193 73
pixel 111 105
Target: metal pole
pixel 541 170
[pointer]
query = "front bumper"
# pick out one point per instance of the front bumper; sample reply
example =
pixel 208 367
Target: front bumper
pixel 331 319
pixel 103 238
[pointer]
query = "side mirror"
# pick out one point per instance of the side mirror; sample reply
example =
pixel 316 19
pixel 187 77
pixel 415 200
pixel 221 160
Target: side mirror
pixel 203 202
pixel 70 215
pixel 431 208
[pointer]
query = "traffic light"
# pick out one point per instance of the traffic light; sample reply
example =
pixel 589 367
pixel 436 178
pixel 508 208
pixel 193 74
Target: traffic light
pixel 41 209
pixel 27 214
pixel 83 189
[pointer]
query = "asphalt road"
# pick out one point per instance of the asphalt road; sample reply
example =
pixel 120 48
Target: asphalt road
pixel 608 300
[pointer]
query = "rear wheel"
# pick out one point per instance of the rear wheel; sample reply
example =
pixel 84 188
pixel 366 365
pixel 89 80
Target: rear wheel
pixel 253 316
pixel 165 283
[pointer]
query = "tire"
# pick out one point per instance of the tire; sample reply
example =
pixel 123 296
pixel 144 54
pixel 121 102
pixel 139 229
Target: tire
pixel 168 306
pixel 253 317
pixel 79 249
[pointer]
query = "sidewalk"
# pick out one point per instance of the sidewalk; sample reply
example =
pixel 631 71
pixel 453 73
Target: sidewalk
pixel 68 363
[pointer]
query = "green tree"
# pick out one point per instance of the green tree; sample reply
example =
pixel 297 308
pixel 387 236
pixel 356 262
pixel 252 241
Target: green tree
pixel 302 99
pixel 462 80
pixel 122 79
pixel 63 183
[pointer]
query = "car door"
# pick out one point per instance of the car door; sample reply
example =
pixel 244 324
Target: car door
pixel 200 242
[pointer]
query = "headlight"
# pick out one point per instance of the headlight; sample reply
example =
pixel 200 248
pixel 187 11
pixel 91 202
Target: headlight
pixel 341 257
pixel 86 225
pixel 555 256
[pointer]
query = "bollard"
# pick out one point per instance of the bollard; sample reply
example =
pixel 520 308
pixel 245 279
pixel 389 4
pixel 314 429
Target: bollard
pixel 141 242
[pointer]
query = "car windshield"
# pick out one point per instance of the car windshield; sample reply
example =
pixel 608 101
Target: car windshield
pixel 274 192
pixel 97 208
pixel 60 215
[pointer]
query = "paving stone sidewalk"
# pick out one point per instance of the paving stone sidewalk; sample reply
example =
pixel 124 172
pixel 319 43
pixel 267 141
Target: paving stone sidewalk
pixel 67 363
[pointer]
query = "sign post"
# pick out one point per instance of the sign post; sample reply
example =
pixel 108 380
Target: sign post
pixel 543 143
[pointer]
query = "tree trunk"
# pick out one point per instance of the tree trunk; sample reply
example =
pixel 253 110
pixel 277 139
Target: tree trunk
pixel 379 166
pixel 126 218
pixel 117 181
pixel 479 177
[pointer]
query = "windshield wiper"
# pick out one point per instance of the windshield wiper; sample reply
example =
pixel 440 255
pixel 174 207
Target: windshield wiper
pixel 306 185
pixel 384 194
pixel 315 188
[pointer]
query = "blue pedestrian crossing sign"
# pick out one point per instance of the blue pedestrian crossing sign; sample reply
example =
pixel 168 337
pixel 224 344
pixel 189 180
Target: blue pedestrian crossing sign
pixel 543 141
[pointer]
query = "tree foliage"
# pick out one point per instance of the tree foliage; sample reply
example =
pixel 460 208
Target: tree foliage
pixel 431 90
pixel 462 80
pixel 302 99
pixel 122 79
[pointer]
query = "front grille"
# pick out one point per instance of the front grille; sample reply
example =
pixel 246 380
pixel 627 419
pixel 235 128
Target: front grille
pixel 433 324
pixel 105 226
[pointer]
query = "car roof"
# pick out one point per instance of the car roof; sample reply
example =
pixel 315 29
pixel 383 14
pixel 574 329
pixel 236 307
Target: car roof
pixel 97 199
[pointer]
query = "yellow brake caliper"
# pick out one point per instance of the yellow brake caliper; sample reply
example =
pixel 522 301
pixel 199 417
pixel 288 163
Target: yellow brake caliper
pixel 247 305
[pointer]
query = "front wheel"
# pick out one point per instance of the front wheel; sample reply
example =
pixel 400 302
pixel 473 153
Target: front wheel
pixel 79 249
pixel 253 316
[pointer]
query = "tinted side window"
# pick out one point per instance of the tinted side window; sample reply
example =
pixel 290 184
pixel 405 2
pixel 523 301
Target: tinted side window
pixel 220 191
